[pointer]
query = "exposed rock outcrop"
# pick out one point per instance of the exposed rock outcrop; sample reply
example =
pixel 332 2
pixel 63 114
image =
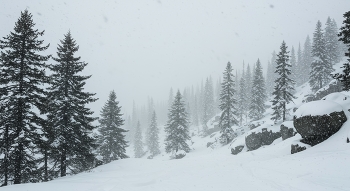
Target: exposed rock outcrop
pixel 318 120
pixel 256 140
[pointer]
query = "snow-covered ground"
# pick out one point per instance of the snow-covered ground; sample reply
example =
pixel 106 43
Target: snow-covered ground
pixel 325 166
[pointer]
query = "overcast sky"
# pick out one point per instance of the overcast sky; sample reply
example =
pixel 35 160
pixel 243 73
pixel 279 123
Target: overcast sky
pixel 141 48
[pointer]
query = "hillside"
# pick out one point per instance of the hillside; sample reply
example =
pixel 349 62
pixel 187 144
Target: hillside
pixel 322 167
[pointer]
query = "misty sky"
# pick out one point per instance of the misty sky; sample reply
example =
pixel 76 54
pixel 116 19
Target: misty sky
pixel 142 48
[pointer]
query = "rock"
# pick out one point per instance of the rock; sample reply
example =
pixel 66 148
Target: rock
pixel 296 148
pixel 287 131
pixel 333 86
pixel 315 129
pixel 256 140
pixel 180 154
pixel 237 149
pixel 209 144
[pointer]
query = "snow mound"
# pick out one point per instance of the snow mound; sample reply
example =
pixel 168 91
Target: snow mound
pixel 321 107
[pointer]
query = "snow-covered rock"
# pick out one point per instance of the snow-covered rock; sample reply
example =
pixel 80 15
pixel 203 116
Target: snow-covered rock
pixel 287 130
pixel 318 120
pixel 321 107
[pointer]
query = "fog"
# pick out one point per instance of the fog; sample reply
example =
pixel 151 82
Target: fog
pixel 143 48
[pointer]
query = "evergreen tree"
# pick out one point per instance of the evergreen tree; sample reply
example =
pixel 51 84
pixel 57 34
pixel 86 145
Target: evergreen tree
pixel 257 105
pixel 22 94
pixel 138 144
pixel 269 78
pixel 153 142
pixel 69 114
pixel 293 63
pixel 177 132
pixel 320 66
pixel 111 141
pixel 227 106
pixel 248 88
pixel 271 75
pixel 344 35
pixel 307 60
pixel 242 99
pixel 331 41
pixel 171 97
pixel 134 121
pixel 283 85
pixel 208 104
pixel 299 67
pixel 150 110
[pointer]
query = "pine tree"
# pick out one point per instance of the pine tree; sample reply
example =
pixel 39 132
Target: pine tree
pixel 171 97
pixel 208 104
pixel 69 114
pixel 6 140
pixel 257 104
pixel 138 144
pixel 150 110
pixel 153 142
pixel 307 60
pixel 271 76
pixel 293 63
pixel 134 121
pixel 344 35
pixel 299 67
pixel 227 106
pixel 320 66
pixel 248 88
pixel 111 141
pixel 242 99
pixel 283 85
pixel 177 132
pixel 331 41
pixel 22 93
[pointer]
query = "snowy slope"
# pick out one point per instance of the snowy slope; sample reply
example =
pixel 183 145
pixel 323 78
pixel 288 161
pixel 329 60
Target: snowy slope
pixel 325 166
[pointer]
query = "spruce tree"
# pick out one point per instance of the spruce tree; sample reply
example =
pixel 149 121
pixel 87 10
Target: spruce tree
pixel 70 118
pixel 271 75
pixel 153 142
pixel 138 144
pixel 344 35
pixel 258 92
pixel 22 95
pixel 293 63
pixel 227 106
pixel 242 99
pixel 307 60
pixel 283 85
pixel 321 67
pixel 331 41
pixel 111 141
pixel 299 67
pixel 176 129
pixel 208 104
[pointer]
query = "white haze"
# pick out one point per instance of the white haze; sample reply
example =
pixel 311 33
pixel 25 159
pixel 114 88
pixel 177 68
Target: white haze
pixel 142 48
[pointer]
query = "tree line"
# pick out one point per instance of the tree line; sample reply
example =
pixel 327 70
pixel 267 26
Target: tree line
pixel 46 128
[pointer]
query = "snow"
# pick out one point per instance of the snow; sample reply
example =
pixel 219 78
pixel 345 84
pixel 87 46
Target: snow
pixel 272 167
pixel 320 107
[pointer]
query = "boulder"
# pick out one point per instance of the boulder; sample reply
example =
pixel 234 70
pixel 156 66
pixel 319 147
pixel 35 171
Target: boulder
pixel 237 149
pixel 180 154
pixel 256 140
pixel 318 120
pixel 297 148
pixel 333 86
pixel 287 130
